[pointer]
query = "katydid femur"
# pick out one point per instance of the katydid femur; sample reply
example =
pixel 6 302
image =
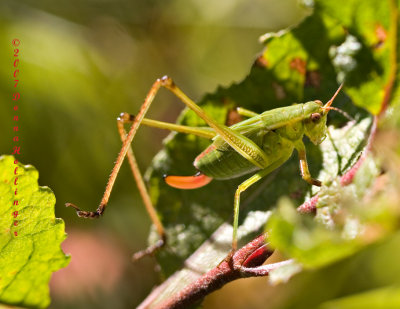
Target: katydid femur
pixel 259 144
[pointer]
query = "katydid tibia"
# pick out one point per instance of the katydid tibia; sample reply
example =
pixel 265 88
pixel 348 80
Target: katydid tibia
pixel 259 144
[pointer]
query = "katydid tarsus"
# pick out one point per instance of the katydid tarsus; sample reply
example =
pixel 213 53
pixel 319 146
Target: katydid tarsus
pixel 259 144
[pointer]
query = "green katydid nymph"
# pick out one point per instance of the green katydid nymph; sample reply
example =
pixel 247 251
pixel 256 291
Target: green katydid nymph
pixel 257 145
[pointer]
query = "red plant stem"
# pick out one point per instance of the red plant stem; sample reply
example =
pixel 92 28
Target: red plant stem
pixel 309 206
pixel 227 271
pixel 264 270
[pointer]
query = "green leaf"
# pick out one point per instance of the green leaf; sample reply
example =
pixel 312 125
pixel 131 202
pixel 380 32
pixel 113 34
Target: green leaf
pixel 27 259
pixel 368 22
pixel 387 297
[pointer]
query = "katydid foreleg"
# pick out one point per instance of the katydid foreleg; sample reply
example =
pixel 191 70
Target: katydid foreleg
pixel 305 173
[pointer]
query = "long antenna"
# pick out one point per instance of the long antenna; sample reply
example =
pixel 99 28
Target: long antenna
pixel 341 112
pixel 329 103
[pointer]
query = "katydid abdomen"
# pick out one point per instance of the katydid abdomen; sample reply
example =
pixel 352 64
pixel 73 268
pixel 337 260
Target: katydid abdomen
pixel 274 131
pixel 221 161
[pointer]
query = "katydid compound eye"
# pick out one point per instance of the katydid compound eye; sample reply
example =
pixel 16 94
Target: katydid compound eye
pixel 315 117
pixel 319 102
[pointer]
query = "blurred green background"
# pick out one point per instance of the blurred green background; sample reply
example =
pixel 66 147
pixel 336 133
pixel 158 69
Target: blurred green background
pixel 83 63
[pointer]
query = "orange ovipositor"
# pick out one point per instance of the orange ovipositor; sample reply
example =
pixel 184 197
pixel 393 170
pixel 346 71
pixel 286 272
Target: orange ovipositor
pixel 188 182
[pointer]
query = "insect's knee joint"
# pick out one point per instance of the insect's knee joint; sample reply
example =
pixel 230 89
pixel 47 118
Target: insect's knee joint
pixel 166 81
pixel 164 239
pixel 125 117
pixel 316 182
pixel 312 181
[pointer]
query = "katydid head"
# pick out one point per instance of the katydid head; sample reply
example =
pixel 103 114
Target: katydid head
pixel 315 124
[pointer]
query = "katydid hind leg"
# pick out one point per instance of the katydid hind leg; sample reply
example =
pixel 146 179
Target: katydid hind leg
pixel 127 151
pixel 125 118
pixel 137 175
pixel 136 122
pixel 121 156
pixel 240 143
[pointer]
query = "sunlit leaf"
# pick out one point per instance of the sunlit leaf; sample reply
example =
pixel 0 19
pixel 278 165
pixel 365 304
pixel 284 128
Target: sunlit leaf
pixel 29 257
pixel 388 297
